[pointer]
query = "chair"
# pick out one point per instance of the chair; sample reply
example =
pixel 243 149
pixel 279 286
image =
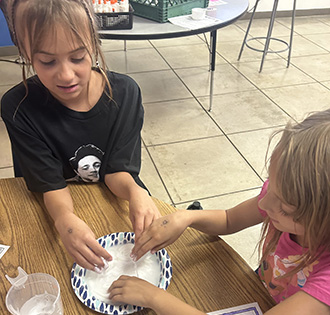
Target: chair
pixel 269 37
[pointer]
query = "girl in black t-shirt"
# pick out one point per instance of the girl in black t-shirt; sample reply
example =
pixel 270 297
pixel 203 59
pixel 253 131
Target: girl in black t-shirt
pixel 71 103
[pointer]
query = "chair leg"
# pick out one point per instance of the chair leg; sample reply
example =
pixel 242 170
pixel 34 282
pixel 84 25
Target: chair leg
pixel 292 29
pixel 247 30
pixel 269 34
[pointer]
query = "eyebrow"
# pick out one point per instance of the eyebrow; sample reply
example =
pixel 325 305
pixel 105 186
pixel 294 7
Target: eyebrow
pixel 71 52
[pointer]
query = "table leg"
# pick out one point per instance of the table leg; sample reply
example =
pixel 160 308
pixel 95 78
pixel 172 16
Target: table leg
pixel 213 46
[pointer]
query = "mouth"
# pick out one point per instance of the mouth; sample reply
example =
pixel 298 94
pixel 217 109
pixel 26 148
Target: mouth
pixel 94 175
pixel 69 88
pixel 273 220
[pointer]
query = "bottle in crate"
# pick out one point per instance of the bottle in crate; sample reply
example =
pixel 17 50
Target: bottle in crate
pixel 123 6
pixel 113 14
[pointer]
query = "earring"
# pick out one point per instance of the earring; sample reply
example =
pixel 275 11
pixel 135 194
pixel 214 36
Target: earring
pixel 97 64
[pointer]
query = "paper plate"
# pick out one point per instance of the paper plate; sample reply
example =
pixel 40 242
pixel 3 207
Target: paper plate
pixel 156 269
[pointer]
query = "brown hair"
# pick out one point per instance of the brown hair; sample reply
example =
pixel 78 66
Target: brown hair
pixel 303 180
pixel 38 19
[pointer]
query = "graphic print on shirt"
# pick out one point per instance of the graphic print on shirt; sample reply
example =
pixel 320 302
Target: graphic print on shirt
pixel 275 267
pixel 86 163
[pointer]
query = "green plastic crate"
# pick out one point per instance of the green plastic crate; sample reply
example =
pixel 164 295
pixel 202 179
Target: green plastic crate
pixel 162 10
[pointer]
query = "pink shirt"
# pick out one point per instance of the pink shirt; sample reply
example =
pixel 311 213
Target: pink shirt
pixel 314 279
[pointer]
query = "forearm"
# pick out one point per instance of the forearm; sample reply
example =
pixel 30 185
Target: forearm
pixel 213 222
pixel 222 222
pixel 164 303
pixel 58 203
pixel 123 185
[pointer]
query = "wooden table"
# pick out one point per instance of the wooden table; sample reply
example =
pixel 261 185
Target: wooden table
pixel 207 273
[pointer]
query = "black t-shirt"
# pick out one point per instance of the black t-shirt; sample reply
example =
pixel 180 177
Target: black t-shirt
pixel 53 143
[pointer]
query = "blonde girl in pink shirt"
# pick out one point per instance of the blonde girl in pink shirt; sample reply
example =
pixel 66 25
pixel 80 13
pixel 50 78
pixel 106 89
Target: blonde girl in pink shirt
pixel 294 207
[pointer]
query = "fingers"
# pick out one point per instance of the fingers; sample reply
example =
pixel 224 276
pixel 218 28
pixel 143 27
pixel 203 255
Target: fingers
pixel 98 256
pixel 116 288
pixel 148 221
pixel 143 212
pixel 115 295
pixel 99 250
pixel 132 290
pixel 82 261
pixel 157 214
pixel 159 247
pixel 161 232
pixel 126 290
pixel 149 241
pixel 119 282
pixel 91 255
pixel 142 215
pixel 80 242
pixel 141 247
pixel 141 224
pixel 151 246
pixel 143 240
pixel 138 226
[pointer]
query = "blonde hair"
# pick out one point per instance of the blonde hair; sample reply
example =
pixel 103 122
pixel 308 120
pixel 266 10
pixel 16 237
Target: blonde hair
pixel 38 19
pixel 303 180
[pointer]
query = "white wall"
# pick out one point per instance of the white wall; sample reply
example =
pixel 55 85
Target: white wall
pixel 285 5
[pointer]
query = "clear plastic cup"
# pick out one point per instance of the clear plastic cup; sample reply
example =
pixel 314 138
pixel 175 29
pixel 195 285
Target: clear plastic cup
pixel 34 294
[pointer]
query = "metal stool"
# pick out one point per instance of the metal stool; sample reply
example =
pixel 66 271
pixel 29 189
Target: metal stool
pixel 268 38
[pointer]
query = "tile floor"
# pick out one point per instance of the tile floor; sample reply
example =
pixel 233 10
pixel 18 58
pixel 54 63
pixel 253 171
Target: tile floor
pixel 216 157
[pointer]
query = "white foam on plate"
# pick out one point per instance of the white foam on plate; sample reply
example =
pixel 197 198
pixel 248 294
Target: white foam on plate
pixel 146 268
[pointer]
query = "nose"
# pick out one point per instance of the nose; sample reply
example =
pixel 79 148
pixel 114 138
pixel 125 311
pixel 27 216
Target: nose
pixel 65 73
pixel 267 203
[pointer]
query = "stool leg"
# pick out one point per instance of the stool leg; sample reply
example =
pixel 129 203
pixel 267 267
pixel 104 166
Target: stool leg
pixel 269 33
pixel 247 30
pixel 292 28
pixel 213 46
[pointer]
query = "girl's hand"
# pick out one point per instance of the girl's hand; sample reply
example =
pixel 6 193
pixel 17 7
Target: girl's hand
pixel 142 211
pixel 162 232
pixel 80 242
pixel 132 290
